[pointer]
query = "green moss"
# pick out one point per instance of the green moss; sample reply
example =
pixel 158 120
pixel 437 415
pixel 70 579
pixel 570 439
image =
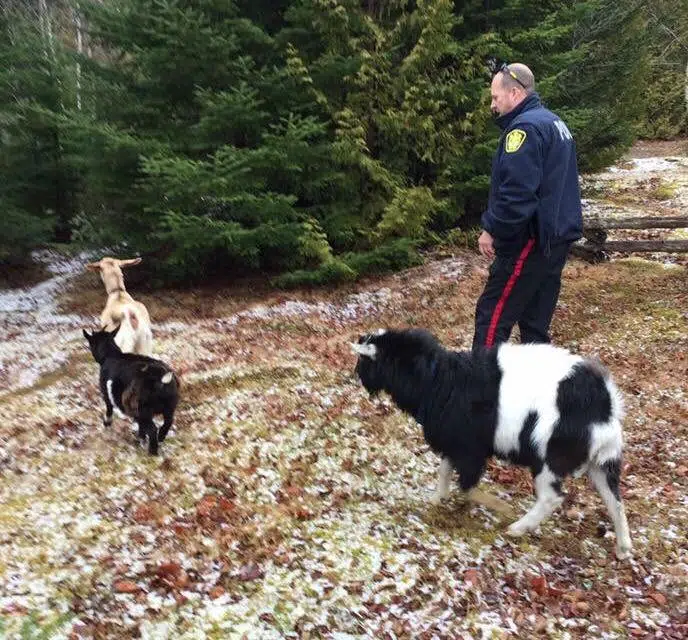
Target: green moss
pixel 663 190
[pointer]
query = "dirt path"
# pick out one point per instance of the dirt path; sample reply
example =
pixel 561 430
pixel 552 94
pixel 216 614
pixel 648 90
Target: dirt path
pixel 286 504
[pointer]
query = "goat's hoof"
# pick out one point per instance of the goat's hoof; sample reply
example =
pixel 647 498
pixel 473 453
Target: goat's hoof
pixel 437 498
pixel 106 422
pixel 624 553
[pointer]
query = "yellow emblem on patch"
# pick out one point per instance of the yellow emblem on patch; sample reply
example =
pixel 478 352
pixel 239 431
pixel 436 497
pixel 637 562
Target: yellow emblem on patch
pixel 514 140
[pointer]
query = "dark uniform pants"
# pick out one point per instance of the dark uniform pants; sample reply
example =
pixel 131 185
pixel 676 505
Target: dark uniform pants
pixel 521 289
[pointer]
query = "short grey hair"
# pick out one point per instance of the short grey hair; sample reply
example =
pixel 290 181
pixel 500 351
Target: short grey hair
pixel 524 78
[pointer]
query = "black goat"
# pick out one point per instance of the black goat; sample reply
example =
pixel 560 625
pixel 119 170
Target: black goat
pixel 135 385
pixel 535 405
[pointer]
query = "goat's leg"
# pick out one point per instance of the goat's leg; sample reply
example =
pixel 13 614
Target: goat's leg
pixel 107 419
pixel 167 423
pixel 470 472
pixel 443 481
pixel 152 432
pixel 606 478
pixel 141 431
pixel 547 491
pixel 144 343
pixel 105 393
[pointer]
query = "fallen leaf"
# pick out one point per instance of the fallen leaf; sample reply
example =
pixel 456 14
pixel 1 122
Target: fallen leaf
pixel 125 586
pixel 169 569
pixel 250 572
pixel 539 584
pixel 582 607
pixel 471 576
pixel 216 592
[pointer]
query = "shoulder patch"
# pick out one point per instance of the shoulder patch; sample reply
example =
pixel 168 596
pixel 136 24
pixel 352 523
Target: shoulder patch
pixel 514 140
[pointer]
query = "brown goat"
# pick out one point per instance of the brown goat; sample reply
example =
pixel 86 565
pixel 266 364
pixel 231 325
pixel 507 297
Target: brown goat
pixel 135 335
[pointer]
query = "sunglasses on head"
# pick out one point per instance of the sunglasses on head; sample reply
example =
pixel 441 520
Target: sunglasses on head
pixel 504 68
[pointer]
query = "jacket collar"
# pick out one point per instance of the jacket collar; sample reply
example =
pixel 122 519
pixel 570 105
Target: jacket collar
pixel 531 101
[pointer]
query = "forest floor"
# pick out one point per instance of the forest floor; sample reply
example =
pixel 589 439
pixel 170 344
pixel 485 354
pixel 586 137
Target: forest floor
pixel 287 504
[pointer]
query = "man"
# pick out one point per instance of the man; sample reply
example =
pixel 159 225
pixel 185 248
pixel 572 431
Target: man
pixel 533 213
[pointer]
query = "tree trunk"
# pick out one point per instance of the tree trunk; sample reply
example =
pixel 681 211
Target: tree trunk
pixel 76 15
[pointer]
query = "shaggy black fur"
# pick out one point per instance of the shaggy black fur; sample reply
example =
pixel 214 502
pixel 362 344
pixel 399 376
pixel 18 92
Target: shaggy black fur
pixel 454 396
pixel 141 387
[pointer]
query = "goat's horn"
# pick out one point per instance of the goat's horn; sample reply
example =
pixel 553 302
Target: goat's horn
pixel 129 263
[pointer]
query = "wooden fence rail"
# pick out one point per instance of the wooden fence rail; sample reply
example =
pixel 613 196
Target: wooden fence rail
pixel 596 246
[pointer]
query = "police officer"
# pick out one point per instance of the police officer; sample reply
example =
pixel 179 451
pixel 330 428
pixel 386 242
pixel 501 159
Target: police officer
pixel 533 214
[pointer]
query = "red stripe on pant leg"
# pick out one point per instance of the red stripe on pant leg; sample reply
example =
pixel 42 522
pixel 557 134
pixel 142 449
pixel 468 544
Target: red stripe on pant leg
pixel 497 313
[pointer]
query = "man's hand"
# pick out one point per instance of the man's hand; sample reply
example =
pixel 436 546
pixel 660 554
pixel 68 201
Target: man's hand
pixel 485 245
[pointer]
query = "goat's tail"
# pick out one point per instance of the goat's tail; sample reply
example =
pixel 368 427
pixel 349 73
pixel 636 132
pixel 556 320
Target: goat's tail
pixel 167 382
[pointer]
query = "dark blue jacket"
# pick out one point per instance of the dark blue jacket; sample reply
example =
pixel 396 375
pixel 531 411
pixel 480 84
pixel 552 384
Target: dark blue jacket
pixel 534 188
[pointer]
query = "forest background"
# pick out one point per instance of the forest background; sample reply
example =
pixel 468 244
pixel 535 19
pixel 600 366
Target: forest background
pixel 312 141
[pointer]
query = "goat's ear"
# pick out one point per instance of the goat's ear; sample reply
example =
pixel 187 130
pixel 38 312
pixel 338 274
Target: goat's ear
pixel 93 266
pixel 86 335
pixel 365 349
pixel 129 263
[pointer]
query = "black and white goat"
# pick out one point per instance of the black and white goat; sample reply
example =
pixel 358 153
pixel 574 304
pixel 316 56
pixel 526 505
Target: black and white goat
pixel 134 385
pixel 534 405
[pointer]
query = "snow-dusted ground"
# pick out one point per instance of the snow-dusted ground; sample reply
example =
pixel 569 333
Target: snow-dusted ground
pixel 34 338
pixel 288 504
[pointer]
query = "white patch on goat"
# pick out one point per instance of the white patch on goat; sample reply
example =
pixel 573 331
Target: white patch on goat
pixel 365 349
pixel 167 378
pixel 118 411
pixel 530 378
pixel 606 442
pixel 606 438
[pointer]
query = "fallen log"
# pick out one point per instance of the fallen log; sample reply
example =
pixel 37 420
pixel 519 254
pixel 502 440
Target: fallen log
pixel 599 252
pixel 667 246
pixel 635 222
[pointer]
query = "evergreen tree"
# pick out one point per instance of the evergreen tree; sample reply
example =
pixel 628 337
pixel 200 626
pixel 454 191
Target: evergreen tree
pixel 220 153
pixel 36 182
pixel 666 97
pixel 321 138
pixel 589 58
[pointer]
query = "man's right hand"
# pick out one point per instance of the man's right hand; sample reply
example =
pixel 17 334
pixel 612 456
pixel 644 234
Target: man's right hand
pixel 486 245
